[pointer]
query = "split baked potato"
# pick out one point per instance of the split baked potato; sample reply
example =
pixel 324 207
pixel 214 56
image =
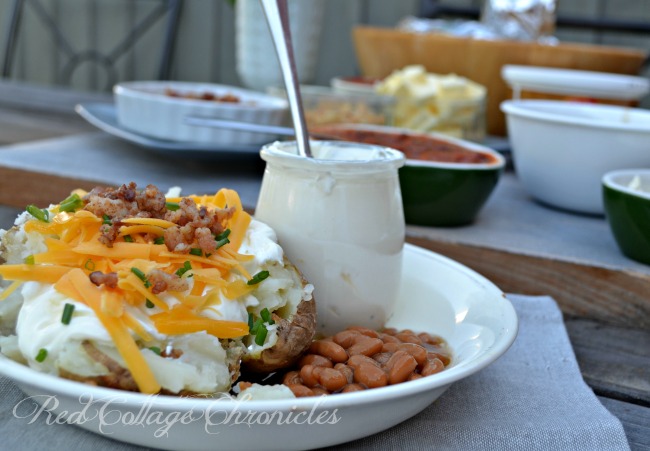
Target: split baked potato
pixel 134 290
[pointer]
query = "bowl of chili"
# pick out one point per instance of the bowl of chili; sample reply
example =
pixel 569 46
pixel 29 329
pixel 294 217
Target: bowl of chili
pixel 445 181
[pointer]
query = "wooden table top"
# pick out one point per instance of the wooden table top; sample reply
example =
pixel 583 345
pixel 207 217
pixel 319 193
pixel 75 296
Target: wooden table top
pixel 605 297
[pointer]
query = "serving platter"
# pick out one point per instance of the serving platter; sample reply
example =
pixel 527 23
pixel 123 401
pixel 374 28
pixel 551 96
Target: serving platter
pixel 437 295
pixel 104 117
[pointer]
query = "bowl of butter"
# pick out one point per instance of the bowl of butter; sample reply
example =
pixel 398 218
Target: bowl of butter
pixel 427 102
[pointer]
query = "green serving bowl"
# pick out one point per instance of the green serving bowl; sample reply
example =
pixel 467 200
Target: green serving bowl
pixel 626 195
pixel 445 181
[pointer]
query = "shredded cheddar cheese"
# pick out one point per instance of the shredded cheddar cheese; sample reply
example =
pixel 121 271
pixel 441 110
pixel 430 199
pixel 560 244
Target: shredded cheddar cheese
pixel 75 254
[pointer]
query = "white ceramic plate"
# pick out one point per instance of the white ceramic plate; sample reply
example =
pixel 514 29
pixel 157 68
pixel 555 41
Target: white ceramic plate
pixel 437 295
pixel 104 117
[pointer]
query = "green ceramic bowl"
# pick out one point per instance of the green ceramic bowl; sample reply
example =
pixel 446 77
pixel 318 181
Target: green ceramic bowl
pixel 626 195
pixel 435 192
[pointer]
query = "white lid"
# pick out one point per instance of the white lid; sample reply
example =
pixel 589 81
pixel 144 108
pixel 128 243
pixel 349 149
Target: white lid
pixel 576 82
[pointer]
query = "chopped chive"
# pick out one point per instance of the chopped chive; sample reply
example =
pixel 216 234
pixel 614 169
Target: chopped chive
pixel 41 356
pixel 40 214
pixel 196 251
pixel 141 276
pixel 186 267
pixel 159 240
pixel 155 349
pixel 106 220
pixel 72 203
pixel 172 206
pixel 128 238
pixel 29 260
pixel 89 265
pixel 67 313
pixel 265 314
pixel 222 235
pixel 256 326
pixel 257 278
pixel 222 242
pixel 250 321
pixel 260 336
pixel 150 304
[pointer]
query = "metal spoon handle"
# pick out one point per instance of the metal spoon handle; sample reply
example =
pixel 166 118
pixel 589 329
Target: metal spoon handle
pixel 277 16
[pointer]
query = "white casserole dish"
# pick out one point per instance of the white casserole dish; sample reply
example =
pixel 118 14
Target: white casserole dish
pixel 144 107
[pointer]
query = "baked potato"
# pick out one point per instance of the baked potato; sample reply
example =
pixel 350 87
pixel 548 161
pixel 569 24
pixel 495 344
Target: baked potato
pixel 135 290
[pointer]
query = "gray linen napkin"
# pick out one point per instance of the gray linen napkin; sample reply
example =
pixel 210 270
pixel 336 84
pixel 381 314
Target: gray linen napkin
pixel 532 398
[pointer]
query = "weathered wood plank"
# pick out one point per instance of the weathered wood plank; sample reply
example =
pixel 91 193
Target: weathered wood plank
pixel 598 293
pixel 20 188
pixel 614 361
pixel 635 421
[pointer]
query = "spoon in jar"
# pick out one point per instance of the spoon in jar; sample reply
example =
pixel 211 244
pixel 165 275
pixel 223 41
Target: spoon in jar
pixel 277 16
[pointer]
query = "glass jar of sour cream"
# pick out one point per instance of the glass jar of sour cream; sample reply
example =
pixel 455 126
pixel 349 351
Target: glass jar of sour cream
pixel 340 220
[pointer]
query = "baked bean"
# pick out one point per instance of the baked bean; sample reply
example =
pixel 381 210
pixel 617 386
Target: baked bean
pixel 429 339
pixel 382 357
pixel 366 346
pixel 292 378
pixel 357 360
pixel 409 338
pixel 309 375
pixel 346 371
pixel 401 366
pixel 370 375
pixel 439 355
pixel 364 331
pixel 346 338
pixel 315 360
pixel 332 379
pixel 320 391
pixel 432 366
pixel 390 347
pixel 329 349
pixel 417 351
pixel 389 338
pixel 300 390
pixel 352 388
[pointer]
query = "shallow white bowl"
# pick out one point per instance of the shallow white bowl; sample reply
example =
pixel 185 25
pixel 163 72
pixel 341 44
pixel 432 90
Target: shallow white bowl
pixel 437 295
pixel 144 108
pixel 561 150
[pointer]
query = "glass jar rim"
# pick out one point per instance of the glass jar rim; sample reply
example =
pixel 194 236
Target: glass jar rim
pixel 379 159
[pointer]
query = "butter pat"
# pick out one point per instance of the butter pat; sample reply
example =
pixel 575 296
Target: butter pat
pixel 428 102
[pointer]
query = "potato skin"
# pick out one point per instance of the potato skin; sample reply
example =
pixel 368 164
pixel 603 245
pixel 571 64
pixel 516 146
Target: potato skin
pixel 295 335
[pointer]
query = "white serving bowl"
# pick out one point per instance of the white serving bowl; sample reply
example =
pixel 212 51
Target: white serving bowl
pixel 561 150
pixel 436 295
pixel 145 108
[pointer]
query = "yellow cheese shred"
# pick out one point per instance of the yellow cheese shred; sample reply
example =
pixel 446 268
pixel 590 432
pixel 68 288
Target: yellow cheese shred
pixel 124 342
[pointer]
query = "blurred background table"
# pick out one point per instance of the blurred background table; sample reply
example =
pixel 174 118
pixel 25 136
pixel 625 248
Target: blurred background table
pixel 522 246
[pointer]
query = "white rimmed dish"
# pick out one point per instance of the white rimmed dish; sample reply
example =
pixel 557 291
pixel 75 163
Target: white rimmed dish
pixel 145 108
pixel 437 295
pixel 561 150
pixel 574 83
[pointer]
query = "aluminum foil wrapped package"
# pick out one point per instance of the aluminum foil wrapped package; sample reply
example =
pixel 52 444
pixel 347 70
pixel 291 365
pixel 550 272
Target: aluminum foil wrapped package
pixel 521 20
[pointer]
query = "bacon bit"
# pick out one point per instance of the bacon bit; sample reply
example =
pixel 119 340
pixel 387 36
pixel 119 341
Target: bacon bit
pixel 162 281
pixel 126 202
pixel 108 279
